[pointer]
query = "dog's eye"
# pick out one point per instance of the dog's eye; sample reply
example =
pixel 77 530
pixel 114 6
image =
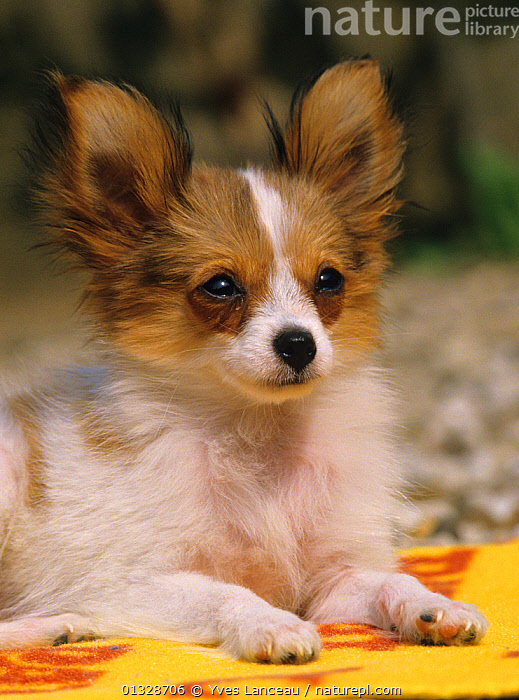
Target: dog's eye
pixel 329 280
pixel 222 287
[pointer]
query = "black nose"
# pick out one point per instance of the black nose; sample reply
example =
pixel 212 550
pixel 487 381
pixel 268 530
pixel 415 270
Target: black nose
pixel 296 347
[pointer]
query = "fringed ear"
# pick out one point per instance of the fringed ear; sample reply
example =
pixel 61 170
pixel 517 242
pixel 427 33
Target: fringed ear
pixel 342 134
pixel 112 166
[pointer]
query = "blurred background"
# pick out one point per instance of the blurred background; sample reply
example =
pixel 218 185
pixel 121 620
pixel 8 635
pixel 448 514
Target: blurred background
pixel 452 329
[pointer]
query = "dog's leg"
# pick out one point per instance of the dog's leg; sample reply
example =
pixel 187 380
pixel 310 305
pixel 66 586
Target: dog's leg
pixel 195 608
pixel 45 631
pixel 186 607
pixel 401 604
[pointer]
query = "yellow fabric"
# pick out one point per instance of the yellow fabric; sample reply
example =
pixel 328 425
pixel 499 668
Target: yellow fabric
pixel 354 657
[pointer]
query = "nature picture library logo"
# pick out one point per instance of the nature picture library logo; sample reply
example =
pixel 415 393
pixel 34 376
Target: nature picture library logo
pixel 476 20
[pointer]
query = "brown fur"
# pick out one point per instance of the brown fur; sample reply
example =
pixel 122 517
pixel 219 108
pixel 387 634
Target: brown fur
pixel 352 147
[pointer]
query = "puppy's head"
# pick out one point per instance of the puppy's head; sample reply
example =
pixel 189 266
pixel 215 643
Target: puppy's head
pixel 261 279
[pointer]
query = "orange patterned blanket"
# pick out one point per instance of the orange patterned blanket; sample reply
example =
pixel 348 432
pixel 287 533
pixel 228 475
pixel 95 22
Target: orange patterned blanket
pixel 355 662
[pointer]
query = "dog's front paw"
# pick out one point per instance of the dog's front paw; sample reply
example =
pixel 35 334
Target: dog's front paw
pixel 278 637
pixel 46 631
pixel 438 620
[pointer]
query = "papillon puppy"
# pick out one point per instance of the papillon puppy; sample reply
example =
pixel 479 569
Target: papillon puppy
pixel 225 474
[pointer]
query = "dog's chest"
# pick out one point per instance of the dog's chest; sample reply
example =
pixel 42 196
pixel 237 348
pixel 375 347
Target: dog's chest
pixel 262 501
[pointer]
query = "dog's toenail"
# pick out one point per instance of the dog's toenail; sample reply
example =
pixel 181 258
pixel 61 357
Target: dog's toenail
pixel 427 617
pixel 62 639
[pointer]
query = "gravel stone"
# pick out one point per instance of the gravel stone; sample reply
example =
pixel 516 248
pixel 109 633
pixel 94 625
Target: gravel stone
pixel 452 348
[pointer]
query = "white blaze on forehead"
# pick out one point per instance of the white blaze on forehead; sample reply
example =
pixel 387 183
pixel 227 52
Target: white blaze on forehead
pixel 286 295
pixel 272 213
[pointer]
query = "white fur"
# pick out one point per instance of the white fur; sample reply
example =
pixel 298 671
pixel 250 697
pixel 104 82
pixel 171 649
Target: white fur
pixel 291 501
pixel 272 212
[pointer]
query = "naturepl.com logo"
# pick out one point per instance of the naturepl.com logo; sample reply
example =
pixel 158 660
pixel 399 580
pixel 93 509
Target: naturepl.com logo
pixel 477 20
